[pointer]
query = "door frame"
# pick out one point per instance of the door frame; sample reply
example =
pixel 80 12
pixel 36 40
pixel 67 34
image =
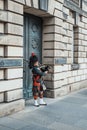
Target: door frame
pixel 24 47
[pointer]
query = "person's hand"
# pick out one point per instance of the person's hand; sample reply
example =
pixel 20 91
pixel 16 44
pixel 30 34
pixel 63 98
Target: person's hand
pixel 46 72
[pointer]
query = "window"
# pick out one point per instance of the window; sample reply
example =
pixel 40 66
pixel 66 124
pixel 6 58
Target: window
pixel 78 2
pixel 43 5
pixel 80 18
pixel 71 13
pixel 75 48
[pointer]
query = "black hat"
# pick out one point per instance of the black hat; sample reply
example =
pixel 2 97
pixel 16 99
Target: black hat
pixel 32 60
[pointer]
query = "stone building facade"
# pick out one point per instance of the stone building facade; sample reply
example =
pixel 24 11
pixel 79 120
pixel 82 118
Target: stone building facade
pixel 56 30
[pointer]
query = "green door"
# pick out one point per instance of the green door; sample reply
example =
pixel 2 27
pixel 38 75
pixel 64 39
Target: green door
pixel 32 44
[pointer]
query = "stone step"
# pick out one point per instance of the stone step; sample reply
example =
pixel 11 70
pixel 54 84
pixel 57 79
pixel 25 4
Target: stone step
pixel 13 95
pixel 12 107
pixel 1 97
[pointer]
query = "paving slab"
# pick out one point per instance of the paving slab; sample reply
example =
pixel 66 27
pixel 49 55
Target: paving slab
pixel 66 113
pixel 83 92
pixel 12 123
pixel 61 126
pixel 34 127
pixel 76 100
pixel 5 128
pixel 81 124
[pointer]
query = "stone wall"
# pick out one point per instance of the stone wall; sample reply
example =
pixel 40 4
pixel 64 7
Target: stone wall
pixel 11 48
pixel 72 75
pixel 63 47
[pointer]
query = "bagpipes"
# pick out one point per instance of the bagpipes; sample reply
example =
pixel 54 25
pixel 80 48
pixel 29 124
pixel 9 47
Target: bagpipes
pixel 33 58
pixel 45 67
pixel 41 66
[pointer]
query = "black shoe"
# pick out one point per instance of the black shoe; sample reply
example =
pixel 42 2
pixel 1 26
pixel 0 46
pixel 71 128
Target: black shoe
pixel 36 105
pixel 44 104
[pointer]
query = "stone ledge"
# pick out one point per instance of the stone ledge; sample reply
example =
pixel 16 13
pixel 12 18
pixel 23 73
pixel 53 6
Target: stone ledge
pixel 12 107
pixel 6 63
pixel 64 90
pixel 13 95
pixel 20 1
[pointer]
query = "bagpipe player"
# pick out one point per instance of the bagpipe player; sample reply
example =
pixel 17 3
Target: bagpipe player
pixel 37 74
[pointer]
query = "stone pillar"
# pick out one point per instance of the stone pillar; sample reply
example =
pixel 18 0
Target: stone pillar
pixel 11 47
pixel 54 50
pixel 58 49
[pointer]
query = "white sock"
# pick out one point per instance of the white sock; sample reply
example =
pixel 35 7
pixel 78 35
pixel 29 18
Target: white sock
pixel 42 101
pixel 36 102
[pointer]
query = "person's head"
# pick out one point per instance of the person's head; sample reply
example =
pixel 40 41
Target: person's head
pixel 33 61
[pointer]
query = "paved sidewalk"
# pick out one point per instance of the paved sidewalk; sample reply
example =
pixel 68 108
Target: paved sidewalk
pixel 66 113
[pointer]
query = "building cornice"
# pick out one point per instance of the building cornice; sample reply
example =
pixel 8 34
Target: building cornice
pixel 71 5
